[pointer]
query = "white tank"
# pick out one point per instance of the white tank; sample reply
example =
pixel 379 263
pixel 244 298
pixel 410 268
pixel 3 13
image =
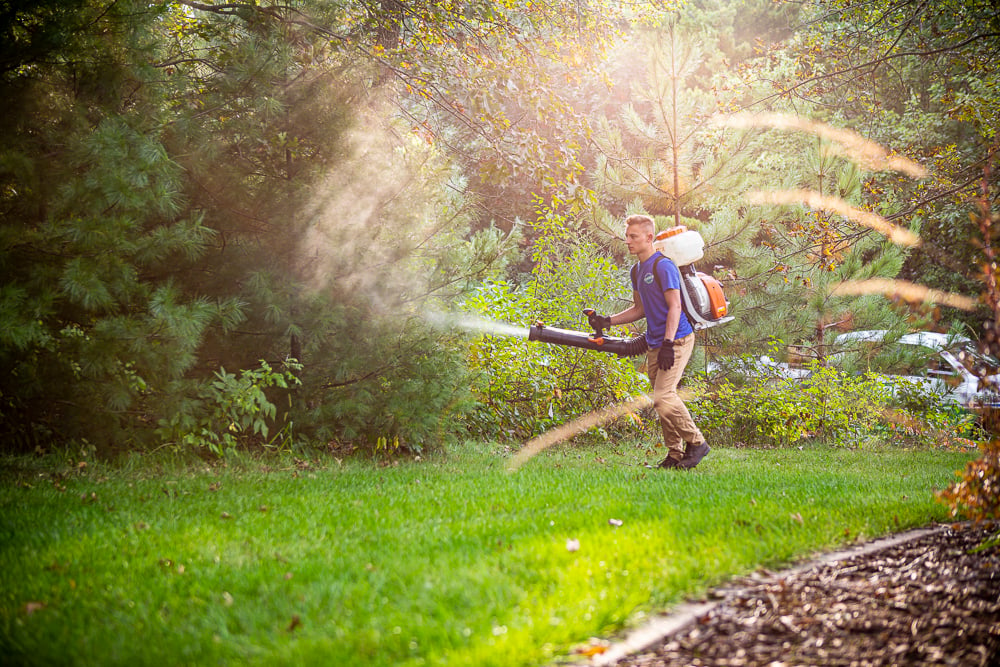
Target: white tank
pixel 682 245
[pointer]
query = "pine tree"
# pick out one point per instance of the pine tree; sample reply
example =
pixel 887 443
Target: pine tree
pixel 790 267
pixel 92 207
pixel 169 174
pixel 667 154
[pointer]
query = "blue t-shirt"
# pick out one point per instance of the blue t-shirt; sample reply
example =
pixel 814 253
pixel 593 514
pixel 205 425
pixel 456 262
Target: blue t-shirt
pixel 653 301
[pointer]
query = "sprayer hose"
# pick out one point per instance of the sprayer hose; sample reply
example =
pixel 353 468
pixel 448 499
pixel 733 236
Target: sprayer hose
pixel 634 347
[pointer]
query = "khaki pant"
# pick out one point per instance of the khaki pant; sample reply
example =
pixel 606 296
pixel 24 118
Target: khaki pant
pixel 675 420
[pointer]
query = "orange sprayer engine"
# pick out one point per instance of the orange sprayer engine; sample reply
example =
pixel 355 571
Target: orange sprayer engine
pixel 701 295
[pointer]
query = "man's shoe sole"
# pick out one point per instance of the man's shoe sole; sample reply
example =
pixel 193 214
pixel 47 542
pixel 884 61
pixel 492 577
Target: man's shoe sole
pixel 695 455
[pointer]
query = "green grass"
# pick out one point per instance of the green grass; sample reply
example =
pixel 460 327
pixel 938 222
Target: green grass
pixel 451 560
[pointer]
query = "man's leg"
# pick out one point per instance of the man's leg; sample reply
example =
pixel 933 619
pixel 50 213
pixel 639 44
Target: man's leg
pixel 675 421
pixel 673 443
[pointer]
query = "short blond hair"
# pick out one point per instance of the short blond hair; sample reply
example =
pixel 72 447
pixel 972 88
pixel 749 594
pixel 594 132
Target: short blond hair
pixel 643 220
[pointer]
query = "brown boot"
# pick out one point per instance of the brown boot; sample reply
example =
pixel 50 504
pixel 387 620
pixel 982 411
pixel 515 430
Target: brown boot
pixel 669 463
pixel 693 455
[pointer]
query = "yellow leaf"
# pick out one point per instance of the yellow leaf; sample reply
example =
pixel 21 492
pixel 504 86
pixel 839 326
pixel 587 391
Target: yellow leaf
pixel 592 650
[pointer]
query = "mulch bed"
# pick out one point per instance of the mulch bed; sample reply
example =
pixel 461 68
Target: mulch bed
pixel 928 601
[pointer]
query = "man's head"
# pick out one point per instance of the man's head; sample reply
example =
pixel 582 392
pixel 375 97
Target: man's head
pixel 639 231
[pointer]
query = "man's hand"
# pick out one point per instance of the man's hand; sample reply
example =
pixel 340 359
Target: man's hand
pixel 599 322
pixel 665 358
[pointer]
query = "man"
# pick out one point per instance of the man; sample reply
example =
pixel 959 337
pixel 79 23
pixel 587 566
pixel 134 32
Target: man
pixel 656 295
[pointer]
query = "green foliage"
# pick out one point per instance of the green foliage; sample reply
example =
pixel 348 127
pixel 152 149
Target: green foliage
pixel 93 223
pixel 831 406
pixel 934 104
pixel 657 149
pixel 191 186
pixel 790 259
pixel 232 411
pixel 384 380
pixel 526 387
pixel 191 197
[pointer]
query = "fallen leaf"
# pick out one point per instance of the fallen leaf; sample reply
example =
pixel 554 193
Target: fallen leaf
pixel 592 650
pixel 615 522
pixel 797 518
pixel 31 607
pixel 296 622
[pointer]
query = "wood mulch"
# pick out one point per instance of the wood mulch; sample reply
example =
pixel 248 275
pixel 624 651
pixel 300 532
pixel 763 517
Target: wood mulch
pixel 932 600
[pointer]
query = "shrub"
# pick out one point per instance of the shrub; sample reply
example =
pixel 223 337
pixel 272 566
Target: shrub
pixel 524 388
pixel 977 494
pixel 842 409
pixel 231 410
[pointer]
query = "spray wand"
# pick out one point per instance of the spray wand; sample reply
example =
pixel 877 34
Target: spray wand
pixel 623 347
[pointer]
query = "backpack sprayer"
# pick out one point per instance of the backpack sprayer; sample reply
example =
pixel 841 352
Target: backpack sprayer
pixel 702 299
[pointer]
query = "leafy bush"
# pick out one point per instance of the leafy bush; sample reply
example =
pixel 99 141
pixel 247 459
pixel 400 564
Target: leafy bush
pixel 524 388
pixel 842 409
pixel 231 410
pixel 977 494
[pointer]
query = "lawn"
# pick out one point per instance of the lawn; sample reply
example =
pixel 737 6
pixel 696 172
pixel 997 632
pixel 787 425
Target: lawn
pixel 448 560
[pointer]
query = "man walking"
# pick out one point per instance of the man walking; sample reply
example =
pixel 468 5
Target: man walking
pixel 656 284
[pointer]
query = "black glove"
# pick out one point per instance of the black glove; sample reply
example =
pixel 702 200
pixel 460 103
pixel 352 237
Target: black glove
pixel 598 322
pixel 665 358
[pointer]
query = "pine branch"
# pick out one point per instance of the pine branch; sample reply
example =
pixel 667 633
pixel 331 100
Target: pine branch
pixel 870 66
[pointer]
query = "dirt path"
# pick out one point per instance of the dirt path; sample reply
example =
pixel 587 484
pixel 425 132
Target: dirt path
pixel 921 599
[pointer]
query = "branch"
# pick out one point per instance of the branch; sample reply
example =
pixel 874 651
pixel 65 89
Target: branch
pixel 874 64
pixel 197 61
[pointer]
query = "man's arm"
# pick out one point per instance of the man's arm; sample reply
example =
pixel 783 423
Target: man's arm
pixel 631 314
pixel 673 298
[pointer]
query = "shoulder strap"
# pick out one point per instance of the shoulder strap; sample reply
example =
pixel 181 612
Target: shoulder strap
pixel 656 276
pixel 634 273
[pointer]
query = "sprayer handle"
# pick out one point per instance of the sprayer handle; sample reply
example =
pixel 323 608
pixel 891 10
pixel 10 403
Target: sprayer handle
pixel 599 322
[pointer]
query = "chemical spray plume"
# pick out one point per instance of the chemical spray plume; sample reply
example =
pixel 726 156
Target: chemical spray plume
pixel 853 146
pixel 576 427
pixel 473 323
pixel 368 229
pixel 896 234
pixel 905 290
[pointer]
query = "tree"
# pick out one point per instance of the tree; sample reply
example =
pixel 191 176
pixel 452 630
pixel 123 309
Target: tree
pixel 915 76
pixel 158 215
pixel 809 243
pixel 668 154
pixel 92 206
